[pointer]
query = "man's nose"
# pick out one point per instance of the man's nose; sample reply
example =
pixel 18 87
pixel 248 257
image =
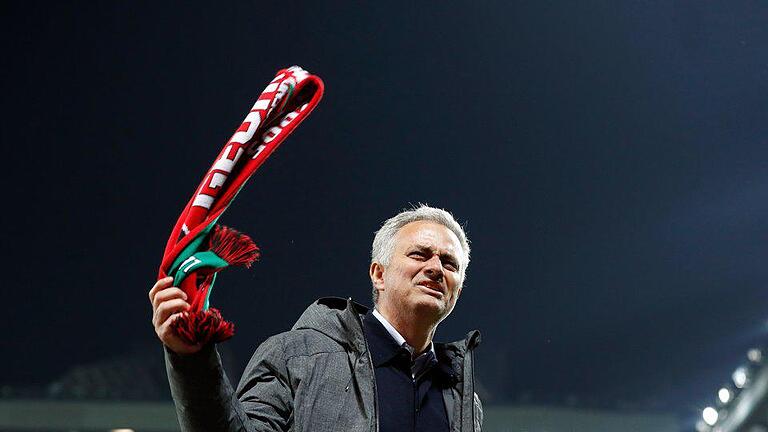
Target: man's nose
pixel 434 267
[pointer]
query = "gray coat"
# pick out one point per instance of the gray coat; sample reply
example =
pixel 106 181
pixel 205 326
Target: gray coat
pixel 316 377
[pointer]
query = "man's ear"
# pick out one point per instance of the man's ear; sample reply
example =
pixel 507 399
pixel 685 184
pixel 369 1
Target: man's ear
pixel 376 272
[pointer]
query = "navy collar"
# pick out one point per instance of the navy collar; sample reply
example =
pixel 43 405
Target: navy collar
pixel 384 349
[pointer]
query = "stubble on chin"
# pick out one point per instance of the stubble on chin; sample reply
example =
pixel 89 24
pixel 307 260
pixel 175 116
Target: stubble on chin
pixel 427 305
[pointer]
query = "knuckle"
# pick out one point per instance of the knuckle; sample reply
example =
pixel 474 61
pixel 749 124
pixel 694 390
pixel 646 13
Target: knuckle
pixel 167 334
pixel 157 301
pixel 168 295
pixel 163 307
pixel 166 308
pixel 160 299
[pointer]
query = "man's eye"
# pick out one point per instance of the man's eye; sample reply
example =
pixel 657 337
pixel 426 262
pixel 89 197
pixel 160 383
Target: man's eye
pixel 451 266
pixel 416 254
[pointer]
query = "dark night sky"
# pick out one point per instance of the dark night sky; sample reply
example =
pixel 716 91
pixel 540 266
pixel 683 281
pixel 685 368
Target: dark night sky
pixel 610 160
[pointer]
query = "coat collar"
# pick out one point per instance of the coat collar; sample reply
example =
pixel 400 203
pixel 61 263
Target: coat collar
pixel 341 320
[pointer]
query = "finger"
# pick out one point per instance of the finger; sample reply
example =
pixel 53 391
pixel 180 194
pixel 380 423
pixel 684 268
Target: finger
pixel 164 330
pixel 168 294
pixel 159 285
pixel 172 339
pixel 167 308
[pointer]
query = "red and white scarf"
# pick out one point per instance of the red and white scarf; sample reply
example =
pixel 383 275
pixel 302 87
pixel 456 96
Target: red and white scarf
pixel 198 248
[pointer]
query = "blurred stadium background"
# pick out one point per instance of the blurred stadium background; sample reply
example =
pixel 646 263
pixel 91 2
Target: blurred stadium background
pixel 610 159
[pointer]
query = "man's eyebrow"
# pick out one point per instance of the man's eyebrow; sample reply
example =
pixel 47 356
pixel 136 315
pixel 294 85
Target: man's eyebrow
pixel 425 248
pixel 452 257
pixel 422 248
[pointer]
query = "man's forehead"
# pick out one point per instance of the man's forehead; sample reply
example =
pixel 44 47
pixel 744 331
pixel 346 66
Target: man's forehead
pixel 428 234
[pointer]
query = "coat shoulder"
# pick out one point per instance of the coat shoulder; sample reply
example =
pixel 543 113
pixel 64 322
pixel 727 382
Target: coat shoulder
pixel 305 342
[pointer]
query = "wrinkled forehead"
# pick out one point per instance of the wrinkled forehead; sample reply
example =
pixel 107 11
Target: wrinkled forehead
pixel 431 235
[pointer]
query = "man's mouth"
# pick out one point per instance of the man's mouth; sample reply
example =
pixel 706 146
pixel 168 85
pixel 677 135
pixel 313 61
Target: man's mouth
pixel 434 286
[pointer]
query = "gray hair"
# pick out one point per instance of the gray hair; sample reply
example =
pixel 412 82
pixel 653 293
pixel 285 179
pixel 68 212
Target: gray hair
pixel 384 241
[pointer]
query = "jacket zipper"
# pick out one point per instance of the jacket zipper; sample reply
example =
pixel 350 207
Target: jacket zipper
pixel 373 374
pixel 415 402
pixel 375 390
pixel 472 396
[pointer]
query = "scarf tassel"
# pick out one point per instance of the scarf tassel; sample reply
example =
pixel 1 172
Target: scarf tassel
pixel 233 246
pixel 202 327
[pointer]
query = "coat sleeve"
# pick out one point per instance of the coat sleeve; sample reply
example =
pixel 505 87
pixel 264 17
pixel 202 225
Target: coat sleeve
pixel 264 389
pixel 206 402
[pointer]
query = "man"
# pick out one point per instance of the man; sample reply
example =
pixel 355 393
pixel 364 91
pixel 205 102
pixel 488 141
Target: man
pixel 342 367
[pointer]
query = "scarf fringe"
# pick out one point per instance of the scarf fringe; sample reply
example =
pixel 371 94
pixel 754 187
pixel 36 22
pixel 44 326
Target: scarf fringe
pixel 202 327
pixel 233 246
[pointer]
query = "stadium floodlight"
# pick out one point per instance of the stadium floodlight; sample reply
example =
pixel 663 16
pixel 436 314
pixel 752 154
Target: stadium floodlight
pixel 709 415
pixel 755 355
pixel 725 395
pixel 740 376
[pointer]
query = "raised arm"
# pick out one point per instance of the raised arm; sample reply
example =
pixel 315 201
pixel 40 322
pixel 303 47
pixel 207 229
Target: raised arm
pixel 201 391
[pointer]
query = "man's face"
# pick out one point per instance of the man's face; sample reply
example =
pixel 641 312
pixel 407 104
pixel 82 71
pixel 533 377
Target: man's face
pixel 424 273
